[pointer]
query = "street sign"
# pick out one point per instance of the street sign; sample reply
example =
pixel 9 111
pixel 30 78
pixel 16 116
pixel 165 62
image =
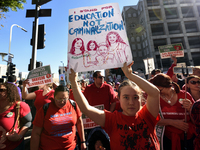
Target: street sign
pixel 42 13
pixel 40 2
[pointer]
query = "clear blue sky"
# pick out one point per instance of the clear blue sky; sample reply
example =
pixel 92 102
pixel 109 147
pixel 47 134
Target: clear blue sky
pixel 56 28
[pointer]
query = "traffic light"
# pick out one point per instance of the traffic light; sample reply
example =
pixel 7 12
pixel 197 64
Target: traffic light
pixel 12 68
pixel 41 38
pixel 39 64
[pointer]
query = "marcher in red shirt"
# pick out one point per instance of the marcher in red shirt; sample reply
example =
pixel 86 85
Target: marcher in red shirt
pixel 173 105
pixel 100 93
pixel 57 128
pixel 134 127
pixel 12 135
pixel 42 96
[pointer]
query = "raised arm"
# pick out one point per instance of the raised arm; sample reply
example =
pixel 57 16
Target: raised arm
pixel 98 116
pixel 153 99
pixel 25 95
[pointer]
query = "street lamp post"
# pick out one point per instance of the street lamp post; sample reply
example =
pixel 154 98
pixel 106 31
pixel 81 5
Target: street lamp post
pixel 9 55
pixel 63 66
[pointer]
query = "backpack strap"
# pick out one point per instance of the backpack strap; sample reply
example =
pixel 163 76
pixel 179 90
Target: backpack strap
pixel 17 114
pixel 45 107
pixel 73 103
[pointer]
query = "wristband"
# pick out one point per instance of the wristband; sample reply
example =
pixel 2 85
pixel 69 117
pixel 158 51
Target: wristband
pixel 83 142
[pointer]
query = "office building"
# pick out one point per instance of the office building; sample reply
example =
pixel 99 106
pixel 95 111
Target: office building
pixel 150 24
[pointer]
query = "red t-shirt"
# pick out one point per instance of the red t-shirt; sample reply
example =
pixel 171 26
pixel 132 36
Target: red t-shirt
pixel 175 112
pixel 97 96
pixel 7 120
pixel 132 132
pixel 40 100
pixel 58 125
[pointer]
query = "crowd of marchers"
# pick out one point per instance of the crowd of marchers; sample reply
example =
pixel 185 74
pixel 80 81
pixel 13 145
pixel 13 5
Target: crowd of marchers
pixel 132 110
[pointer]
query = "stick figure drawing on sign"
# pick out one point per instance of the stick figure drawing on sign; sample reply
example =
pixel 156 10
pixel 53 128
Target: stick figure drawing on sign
pixel 89 58
pixel 117 46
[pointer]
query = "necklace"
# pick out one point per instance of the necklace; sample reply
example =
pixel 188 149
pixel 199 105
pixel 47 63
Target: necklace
pixel 168 100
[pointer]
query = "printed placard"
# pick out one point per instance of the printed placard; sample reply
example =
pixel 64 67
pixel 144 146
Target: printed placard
pixel 97 38
pixel 174 49
pixel 87 122
pixel 39 76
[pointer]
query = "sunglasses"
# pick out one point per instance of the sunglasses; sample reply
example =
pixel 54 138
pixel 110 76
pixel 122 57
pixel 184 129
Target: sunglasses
pixel 100 77
pixel 195 82
pixel 3 90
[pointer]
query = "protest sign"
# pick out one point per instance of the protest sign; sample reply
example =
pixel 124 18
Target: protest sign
pixel 97 38
pixel 160 131
pixel 174 49
pixel 39 76
pixel 149 65
pixel 87 122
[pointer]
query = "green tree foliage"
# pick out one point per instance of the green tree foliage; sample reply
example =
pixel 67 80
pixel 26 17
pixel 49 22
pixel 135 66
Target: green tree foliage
pixel 6 5
pixel 12 4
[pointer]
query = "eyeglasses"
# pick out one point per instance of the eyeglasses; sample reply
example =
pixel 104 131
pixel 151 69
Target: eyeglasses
pixel 100 77
pixel 61 100
pixel 3 90
pixel 195 82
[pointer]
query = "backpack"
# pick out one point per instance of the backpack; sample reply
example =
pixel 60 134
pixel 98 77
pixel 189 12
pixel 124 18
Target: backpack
pixel 46 106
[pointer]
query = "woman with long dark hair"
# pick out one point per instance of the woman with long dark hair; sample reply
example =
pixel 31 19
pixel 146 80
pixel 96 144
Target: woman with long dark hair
pixel 173 105
pixel 12 130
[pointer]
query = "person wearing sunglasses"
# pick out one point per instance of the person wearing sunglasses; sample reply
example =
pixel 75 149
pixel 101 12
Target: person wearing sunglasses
pixel 193 86
pixel 173 106
pixel 12 131
pixel 56 127
pixel 99 94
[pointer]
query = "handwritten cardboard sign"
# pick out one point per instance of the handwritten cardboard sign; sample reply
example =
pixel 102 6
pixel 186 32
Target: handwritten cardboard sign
pixel 97 38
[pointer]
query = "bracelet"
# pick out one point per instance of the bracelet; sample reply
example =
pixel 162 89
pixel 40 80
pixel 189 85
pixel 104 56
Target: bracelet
pixel 83 142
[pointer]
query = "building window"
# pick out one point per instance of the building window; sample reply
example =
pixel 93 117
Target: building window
pixel 155 14
pixel 157 29
pixel 134 15
pixel 142 37
pixel 129 15
pixel 139 46
pixel 138 39
pixel 153 3
pixel 171 13
pixel 147 50
pixel 145 34
pixel 134 54
pixel 132 39
pixel 159 42
pixel 187 12
pixel 174 28
pixel 146 43
pixel 198 7
pixel 191 26
pixel 168 2
pixel 194 42
pixel 133 47
pixel 178 40
pixel 185 1
pixel 143 44
pixel 132 25
pixel 140 53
